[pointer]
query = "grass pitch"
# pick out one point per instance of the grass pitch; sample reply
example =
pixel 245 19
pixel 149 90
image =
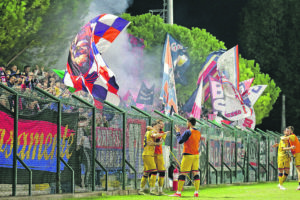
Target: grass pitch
pixel 262 191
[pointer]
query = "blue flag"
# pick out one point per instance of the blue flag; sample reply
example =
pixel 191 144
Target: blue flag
pixel 180 60
pixel 145 95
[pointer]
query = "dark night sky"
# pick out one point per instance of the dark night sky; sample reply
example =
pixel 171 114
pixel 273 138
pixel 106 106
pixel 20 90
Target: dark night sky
pixel 220 18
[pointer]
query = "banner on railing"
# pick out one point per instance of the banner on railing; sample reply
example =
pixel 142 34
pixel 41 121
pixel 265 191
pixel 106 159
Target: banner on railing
pixel 37 141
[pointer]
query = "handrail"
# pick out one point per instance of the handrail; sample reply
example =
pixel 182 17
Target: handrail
pixel 113 106
pixel 106 174
pixel 214 123
pixel 216 171
pixel 70 168
pixel 226 125
pixel 82 101
pixel 263 168
pixel 202 123
pixel 135 173
pixel 229 171
pixel 180 117
pixel 30 174
pixel 162 115
pixel 144 113
pixel 7 88
pixel 254 171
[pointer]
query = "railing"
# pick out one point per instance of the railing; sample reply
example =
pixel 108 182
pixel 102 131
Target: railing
pixel 207 125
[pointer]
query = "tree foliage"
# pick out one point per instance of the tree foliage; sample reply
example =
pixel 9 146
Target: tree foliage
pixel 269 33
pixel 200 43
pixel 19 21
pixel 43 28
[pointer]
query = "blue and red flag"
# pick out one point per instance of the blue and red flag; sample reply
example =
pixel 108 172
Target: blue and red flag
pixel 86 69
pixel 168 91
pixel 209 68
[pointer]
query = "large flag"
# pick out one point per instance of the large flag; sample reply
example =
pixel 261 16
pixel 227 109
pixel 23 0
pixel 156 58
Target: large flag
pixel 86 69
pixel 245 85
pixel 235 108
pixel 228 65
pixel 209 68
pixel 217 96
pixel 180 60
pixel 145 95
pixel 168 91
pixel 196 111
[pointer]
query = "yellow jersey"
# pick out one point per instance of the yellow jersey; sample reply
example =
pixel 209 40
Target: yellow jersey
pixel 149 149
pixel 282 153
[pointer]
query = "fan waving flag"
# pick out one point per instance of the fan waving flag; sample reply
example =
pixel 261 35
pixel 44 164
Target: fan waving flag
pixel 168 91
pixel 228 65
pixel 196 111
pixel 86 69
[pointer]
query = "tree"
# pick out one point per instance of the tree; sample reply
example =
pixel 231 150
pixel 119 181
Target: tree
pixel 269 33
pixel 19 21
pixel 39 31
pixel 200 43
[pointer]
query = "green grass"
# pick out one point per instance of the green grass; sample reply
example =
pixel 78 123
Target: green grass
pixel 262 191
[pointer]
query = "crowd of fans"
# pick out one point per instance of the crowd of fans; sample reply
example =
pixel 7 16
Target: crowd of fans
pixel 31 77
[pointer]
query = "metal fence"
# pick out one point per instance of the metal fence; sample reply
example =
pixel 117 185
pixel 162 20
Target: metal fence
pixel 54 145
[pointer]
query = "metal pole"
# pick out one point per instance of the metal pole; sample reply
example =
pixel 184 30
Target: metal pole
pixel 283 122
pixel 170 12
pixel 15 145
pixel 268 158
pixel 258 159
pixel 207 157
pixel 124 141
pixel 235 154
pixel 93 148
pixel 124 150
pixel 222 159
pixel 58 135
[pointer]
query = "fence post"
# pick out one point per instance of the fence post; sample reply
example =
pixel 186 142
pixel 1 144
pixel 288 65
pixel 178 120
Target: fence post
pixel 124 141
pixel 93 136
pixel 15 144
pixel 58 135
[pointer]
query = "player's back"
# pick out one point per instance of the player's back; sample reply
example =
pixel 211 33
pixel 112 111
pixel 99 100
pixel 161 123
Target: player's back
pixel 148 149
pixel 282 153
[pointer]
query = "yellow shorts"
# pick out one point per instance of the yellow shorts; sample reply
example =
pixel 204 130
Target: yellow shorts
pixel 159 161
pixel 297 159
pixel 189 163
pixel 149 163
pixel 284 163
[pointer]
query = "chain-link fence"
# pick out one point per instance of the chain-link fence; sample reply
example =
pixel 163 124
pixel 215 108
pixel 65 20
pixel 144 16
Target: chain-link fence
pixel 101 149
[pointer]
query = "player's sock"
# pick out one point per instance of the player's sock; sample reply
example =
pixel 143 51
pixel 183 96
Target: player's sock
pixel 152 179
pixel 181 180
pixel 197 182
pixel 161 179
pixel 143 182
pixel 284 177
pixel 280 178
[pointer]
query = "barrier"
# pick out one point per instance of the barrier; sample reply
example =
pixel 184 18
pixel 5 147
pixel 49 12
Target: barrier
pixel 68 145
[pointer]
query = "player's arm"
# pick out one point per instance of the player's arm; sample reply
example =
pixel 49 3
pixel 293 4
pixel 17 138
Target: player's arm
pixel 157 135
pixel 181 138
pixel 275 145
pixel 288 148
pixel 151 143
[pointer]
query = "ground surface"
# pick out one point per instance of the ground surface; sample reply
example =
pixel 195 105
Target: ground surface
pixel 263 191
